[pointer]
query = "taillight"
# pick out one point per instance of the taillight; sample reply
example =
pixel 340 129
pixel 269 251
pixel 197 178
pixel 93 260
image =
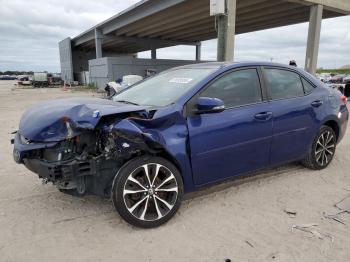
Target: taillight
pixel 344 99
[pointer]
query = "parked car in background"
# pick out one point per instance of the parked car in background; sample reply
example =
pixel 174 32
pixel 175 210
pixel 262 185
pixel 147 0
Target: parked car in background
pixel 181 130
pixel 337 79
pixel 346 79
pixel 24 80
pixel 324 77
pixel 6 77
pixel 112 88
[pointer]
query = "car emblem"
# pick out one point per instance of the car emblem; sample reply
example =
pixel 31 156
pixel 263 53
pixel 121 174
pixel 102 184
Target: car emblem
pixel 96 114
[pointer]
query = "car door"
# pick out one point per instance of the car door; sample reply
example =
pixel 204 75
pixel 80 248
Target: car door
pixel 294 107
pixel 236 140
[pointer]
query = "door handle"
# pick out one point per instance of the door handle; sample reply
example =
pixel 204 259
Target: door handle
pixel 263 116
pixel 317 103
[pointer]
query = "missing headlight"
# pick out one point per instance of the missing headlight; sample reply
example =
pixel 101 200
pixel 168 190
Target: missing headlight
pixel 61 152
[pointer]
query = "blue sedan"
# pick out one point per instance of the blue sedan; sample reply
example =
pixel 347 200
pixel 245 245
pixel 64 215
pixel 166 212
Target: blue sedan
pixel 181 130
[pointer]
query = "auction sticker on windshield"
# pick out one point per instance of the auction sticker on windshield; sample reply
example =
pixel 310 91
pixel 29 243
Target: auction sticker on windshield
pixel 180 80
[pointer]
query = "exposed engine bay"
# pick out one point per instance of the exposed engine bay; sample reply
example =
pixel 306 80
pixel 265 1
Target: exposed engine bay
pixel 87 160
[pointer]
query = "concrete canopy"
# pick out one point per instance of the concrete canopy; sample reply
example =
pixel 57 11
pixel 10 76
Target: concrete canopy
pixel 152 24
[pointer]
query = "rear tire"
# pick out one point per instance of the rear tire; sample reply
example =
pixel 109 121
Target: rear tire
pixel 147 191
pixel 322 150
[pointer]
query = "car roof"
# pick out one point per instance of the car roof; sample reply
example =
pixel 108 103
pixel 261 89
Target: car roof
pixel 221 65
pixel 210 65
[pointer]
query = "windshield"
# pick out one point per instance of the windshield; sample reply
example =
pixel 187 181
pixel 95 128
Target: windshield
pixel 165 88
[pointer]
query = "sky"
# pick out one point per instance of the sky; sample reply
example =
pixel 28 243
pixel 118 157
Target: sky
pixel 30 32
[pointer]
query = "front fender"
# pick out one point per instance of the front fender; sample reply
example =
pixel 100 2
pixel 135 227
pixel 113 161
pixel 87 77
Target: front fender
pixel 168 134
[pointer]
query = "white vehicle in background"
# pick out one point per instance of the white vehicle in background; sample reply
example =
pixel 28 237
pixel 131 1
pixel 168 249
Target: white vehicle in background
pixel 129 80
pixel 40 79
pixel 113 88
pixel 24 80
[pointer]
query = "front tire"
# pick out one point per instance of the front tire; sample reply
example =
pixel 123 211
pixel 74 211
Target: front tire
pixel 147 191
pixel 322 150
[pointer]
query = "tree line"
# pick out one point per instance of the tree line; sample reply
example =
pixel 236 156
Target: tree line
pixel 13 73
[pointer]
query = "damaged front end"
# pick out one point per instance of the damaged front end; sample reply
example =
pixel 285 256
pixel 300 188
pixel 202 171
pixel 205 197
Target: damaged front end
pixel 81 154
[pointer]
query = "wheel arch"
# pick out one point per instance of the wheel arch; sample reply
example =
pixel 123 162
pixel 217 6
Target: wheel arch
pixel 169 143
pixel 334 125
pixel 164 154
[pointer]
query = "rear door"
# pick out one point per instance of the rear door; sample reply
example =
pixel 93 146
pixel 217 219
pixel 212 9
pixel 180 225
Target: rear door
pixel 236 140
pixel 294 106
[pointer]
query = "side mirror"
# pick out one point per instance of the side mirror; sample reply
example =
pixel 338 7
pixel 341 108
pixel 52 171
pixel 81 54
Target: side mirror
pixel 206 105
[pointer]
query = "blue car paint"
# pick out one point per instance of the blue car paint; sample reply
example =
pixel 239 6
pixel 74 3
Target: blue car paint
pixel 169 131
pixel 206 148
pixel 22 149
pixel 294 120
pixel 233 136
pixel 208 103
pixel 43 122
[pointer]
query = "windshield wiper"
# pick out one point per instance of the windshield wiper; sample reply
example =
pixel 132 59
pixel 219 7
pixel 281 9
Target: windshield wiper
pixel 127 102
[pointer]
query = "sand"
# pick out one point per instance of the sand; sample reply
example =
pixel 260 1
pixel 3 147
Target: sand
pixel 243 220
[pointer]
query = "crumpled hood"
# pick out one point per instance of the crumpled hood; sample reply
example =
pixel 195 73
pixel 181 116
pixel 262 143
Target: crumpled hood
pixel 47 121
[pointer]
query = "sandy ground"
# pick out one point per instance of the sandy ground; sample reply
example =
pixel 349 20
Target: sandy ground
pixel 243 220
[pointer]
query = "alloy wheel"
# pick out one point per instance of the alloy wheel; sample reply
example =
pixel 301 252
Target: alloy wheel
pixel 325 148
pixel 150 192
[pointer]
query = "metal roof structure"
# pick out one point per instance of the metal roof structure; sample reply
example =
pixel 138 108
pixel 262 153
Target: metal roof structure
pixel 152 24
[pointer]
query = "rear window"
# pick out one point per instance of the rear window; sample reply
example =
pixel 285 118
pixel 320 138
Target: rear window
pixel 283 84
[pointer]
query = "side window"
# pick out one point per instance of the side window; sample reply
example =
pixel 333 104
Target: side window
pixel 308 88
pixel 237 88
pixel 283 83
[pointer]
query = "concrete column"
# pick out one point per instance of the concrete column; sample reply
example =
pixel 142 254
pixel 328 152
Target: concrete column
pixel 221 24
pixel 154 53
pixel 226 32
pixel 98 42
pixel 198 51
pixel 313 39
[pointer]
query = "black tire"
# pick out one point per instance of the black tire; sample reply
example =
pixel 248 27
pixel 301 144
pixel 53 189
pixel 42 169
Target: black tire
pixel 152 195
pixel 312 160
